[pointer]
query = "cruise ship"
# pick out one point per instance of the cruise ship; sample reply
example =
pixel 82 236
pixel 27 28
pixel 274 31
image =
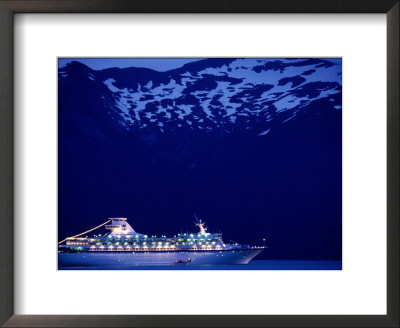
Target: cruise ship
pixel 123 246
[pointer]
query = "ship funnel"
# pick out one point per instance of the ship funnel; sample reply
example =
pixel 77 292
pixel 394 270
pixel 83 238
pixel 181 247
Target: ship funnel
pixel 119 226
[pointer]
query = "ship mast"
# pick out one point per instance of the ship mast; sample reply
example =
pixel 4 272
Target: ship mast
pixel 201 224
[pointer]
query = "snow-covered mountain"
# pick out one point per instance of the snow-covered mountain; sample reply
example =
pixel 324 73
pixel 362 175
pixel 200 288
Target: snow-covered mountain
pixel 208 94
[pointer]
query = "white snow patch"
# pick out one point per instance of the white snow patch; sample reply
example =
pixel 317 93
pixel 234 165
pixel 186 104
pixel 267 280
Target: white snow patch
pixel 264 132
pixel 163 110
pixel 288 102
pixel 149 85
pixel 109 84
pixel 187 109
pixel 289 118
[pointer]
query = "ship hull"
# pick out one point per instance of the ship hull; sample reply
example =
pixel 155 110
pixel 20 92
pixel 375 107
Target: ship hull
pixel 80 259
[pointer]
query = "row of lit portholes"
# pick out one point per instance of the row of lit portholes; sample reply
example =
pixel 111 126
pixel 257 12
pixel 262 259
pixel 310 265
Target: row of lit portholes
pixel 148 249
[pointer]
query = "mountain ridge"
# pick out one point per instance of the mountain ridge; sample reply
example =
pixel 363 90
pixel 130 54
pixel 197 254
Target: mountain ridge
pixel 197 96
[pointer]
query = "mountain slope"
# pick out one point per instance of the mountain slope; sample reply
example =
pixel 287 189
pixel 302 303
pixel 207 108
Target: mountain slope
pixel 224 94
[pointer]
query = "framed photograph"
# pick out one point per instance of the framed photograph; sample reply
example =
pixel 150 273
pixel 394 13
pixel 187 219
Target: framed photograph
pixel 196 136
pixel 213 164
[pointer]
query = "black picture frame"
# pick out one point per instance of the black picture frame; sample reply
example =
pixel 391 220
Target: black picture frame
pixel 10 7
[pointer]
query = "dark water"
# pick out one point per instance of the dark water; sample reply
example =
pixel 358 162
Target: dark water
pixel 253 265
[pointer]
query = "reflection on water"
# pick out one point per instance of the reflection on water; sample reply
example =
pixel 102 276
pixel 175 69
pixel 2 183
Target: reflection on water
pixel 253 265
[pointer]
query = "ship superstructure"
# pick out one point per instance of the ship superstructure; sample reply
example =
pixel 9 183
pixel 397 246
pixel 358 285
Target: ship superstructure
pixel 124 246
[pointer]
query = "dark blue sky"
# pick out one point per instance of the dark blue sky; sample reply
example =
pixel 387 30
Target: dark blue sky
pixel 158 64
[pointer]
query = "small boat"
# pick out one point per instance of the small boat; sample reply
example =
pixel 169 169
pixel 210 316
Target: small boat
pixel 182 261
